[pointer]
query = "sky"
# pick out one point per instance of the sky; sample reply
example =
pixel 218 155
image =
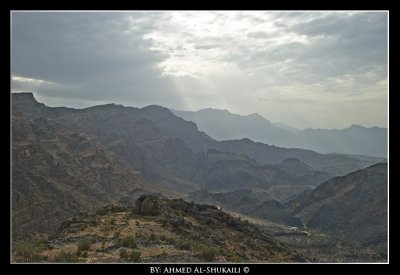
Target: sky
pixel 305 69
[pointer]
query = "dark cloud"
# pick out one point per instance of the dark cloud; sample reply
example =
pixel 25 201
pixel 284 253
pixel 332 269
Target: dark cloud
pixel 90 56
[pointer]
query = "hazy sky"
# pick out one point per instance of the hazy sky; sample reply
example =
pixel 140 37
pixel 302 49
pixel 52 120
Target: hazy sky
pixel 306 69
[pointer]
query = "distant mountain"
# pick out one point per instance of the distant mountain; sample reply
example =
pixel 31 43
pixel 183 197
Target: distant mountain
pixel 353 207
pixel 353 140
pixel 335 164
pixel 286 127
pixel 223 125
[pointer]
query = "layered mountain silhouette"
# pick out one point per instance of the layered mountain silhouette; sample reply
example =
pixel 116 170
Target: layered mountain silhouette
pixel 223 125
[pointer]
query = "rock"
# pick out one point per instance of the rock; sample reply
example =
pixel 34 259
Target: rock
pixel 148 205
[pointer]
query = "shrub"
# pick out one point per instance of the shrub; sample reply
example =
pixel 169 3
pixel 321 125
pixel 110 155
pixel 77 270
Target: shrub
pixel 208 253
pixel 129 256
pixel 234 259
pixel 83 246
pixel 170 240
pixel 123 254
pixel 129 242
pixel 164 223
pixel 184 245
pixel 65 257
pixel 27 252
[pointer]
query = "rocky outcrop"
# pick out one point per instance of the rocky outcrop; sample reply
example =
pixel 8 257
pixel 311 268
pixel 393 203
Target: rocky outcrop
pixel 148 205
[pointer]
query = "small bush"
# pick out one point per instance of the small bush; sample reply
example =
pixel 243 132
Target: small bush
pixel 123 254
pixel 65 257
pixel 129 242
pixel 117 234
pixel 234 259
pixel 164 223
pixel 170 240
pixel 208 253
pixel 184 245
pixel 27 252
pixel 83 246
pixel 129 256
pixel 152 237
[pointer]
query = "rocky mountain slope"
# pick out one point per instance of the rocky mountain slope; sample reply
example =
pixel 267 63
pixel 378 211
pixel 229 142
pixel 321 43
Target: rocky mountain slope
pixel 157 230
pixel 166 150
pixel 55 176
pixel 353 206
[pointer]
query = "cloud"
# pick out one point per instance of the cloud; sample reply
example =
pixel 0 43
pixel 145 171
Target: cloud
pixel 261 34
pixel 221 59
pixel 89 56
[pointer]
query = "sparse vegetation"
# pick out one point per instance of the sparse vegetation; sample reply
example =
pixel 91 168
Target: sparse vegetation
pixel 208 253
pixel 66 257
pixel 117 234
pixel 164 222
pixel 129 242
pixel 129 256
pixel 194 241
pixel 184 245
pixel 83 246
pixel 234 259
pixel 29 252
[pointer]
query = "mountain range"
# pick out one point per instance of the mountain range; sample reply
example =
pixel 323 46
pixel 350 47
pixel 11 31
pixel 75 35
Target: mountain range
pixel 83 159
pixel 223 125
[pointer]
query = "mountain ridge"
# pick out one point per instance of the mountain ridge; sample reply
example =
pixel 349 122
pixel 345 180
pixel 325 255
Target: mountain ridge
pixel 355 139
